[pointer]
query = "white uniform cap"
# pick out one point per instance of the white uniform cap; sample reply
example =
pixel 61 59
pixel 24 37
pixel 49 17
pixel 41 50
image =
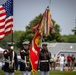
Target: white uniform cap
pixel 26 43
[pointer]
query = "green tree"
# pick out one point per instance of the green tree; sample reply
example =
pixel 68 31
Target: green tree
pixel 54 36
pixel 72 39
pixel 74 30
pixel 5 40
pixel 69 38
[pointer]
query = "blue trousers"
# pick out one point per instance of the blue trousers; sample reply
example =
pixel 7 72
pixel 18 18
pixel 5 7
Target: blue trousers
pixel 7 73
pixel 26 73
pixel 44 72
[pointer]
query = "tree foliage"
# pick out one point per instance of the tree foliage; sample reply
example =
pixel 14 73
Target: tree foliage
pixel 54 36
pixel 28 34
pixel 74 30
pixel 69 38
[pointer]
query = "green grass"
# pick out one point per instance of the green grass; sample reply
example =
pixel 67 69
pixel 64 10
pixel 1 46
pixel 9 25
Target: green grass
pixel 51 73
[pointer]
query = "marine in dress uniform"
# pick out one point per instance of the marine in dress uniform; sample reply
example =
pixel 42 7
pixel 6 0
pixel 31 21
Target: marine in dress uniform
pixel 25 65
pixel 44 58
pixel 10 60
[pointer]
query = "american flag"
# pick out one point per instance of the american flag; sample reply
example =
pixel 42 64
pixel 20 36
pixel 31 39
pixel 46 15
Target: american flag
pixel 6 18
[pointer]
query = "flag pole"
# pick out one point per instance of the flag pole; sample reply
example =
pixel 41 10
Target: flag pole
pixel 13 24
pixel 11 36
pixel 49 3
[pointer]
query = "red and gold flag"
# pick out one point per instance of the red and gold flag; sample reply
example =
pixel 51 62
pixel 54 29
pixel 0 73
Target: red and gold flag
pixel 35 50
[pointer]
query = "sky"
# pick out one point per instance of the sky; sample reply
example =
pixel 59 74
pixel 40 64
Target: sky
pixel 62 11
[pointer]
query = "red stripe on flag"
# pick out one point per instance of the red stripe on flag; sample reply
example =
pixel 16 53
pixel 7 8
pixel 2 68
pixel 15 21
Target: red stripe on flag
pixel 9 32
pixel 1 33
pixel 1 8
pixel 2 20
pixel 2 26
pixel 3 14
pixel 9 26
pixel 9 20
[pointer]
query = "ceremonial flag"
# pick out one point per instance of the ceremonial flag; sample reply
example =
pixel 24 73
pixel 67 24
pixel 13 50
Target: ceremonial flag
pixel 45 25
pixel 35 50
pixel 49 22
pixel 35 27
pixel 6 18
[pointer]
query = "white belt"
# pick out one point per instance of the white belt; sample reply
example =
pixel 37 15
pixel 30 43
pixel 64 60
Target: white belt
pixel 44 61
pixel 22 60
pixel 6 60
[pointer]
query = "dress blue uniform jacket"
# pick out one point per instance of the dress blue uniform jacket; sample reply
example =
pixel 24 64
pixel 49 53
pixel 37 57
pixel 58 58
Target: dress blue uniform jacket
pixel 44 60
pixel 23 67
pixel 7 55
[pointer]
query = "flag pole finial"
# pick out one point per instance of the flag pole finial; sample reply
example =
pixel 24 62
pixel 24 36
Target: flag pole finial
pixel 47 7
